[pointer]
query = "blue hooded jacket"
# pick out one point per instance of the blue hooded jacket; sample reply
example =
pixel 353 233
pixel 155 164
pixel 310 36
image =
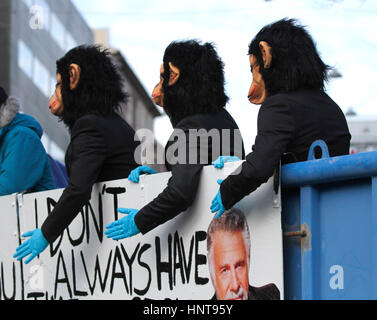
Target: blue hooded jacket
pixel 24 165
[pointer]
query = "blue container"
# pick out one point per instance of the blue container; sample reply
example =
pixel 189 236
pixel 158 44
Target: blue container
pixel 329 218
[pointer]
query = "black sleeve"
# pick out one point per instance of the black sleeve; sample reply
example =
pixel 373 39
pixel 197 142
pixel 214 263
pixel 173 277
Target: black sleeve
pixel 88 155
pixel 275 130
pixel 175 198
pixel 181 189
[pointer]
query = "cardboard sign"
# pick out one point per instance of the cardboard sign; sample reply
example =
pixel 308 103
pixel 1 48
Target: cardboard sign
pixel 169 262
pixel 11 271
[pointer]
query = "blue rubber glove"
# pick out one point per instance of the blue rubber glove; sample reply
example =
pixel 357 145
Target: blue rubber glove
pixel 34 246
pixel 219 162
pixel 135 173
pixel 217 204
pixel 125 227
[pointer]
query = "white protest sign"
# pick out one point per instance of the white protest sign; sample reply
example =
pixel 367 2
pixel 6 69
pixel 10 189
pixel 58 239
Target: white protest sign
pixel 169 262
pixel 11 271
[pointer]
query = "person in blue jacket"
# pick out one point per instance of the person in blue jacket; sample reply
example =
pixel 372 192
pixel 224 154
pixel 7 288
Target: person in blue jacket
pixel 24 165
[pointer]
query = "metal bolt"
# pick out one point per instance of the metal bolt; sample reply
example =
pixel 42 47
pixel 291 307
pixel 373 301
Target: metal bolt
pixel 301 234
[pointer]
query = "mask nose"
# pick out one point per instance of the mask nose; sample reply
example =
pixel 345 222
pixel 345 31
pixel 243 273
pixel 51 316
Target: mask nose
pixel 157 94
pixel 156 91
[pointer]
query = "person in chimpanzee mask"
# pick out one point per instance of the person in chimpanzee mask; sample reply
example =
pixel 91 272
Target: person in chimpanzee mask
pixel 288 82
pixel 87 99
pixel 191 91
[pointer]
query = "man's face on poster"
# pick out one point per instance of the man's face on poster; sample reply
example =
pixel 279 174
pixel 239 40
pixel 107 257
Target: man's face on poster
pixel 231 266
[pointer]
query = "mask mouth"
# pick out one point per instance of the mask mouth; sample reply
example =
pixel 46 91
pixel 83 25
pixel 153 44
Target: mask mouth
pixel 252 94
pixel 52 105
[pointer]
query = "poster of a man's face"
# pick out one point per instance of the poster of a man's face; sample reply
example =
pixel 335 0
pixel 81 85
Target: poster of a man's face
pixel 228 250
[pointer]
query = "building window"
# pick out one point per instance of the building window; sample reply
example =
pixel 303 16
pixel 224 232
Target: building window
pixel 41 77
pixel 56 152
pixel 58 31
pixel 52 148
pixel 35 70
pixel 28 3
pixel 25 58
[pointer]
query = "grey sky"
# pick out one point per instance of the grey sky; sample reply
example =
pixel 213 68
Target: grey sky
pixel 345 32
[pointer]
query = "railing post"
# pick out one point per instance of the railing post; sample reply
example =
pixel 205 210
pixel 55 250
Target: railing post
pixel 308 208
pixel 374 234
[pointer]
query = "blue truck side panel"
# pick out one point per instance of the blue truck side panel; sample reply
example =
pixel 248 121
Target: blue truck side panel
pixel 329 220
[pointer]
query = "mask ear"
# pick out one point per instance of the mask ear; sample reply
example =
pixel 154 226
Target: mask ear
pixel 74 76
pixel 266 53
pixel 174 74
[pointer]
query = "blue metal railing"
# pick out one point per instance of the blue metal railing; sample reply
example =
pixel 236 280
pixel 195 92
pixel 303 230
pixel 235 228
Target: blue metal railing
pixel 327 170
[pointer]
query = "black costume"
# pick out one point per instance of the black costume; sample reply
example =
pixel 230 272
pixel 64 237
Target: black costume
pixel 183 184
pixel 288 123
pixel 101 149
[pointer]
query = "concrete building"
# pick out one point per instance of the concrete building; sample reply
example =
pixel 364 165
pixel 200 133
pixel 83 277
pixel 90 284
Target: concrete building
pixel 34 34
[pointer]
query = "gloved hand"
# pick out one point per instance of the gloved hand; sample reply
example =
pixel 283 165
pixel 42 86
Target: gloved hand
pixel 217 204
pixel 34 246
pixel 135 173
pixel 125 227
pixel 219 162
